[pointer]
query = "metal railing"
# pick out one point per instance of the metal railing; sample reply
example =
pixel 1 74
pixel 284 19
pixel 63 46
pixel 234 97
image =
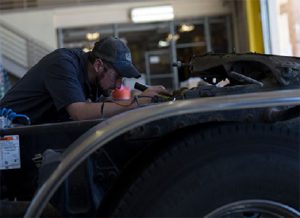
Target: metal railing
pixel 19 51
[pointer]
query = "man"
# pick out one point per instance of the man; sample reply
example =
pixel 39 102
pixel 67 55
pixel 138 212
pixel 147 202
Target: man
pixel 65 84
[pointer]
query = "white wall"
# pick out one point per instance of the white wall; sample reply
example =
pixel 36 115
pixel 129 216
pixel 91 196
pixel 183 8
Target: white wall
pixel 119 13
pixel 35 24
pixel 42 24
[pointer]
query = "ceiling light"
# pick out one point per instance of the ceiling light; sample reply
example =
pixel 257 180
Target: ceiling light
pixel 92 36
pixel 151 14
pixel 186 28
pixel 162 44
pixel 171 37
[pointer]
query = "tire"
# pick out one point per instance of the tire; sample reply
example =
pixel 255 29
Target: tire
pixel 205 170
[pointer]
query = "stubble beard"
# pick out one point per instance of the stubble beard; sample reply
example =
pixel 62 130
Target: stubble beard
pixel 104 92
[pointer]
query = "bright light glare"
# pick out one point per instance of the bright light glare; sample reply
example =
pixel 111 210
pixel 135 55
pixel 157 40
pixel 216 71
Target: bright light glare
pixel 92 36
pixel 86 50
pixel 162 43
pixel 171 37
pixel 186 28
pixel 150 14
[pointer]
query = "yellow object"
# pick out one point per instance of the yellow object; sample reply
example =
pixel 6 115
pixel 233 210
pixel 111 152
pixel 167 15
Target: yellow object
pixel 254 26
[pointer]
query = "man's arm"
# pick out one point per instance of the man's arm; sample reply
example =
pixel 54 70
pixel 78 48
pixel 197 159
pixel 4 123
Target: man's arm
pixel 88 110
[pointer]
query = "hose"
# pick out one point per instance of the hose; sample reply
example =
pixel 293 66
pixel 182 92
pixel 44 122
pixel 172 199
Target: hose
pixel 9 115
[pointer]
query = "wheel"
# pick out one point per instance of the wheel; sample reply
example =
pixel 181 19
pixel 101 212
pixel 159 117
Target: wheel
pixel 217 170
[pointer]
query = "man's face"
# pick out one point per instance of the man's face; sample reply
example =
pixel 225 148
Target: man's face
pixel 108 79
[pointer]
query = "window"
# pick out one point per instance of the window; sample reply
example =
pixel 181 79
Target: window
pixel 153 50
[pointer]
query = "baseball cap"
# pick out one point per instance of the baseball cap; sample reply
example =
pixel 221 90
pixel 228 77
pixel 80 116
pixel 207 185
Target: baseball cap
pixel 114 50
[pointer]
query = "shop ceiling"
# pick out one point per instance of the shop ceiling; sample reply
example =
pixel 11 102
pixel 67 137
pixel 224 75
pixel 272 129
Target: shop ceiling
pixel 15 5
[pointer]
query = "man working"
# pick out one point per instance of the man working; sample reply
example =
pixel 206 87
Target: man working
pixel 65 84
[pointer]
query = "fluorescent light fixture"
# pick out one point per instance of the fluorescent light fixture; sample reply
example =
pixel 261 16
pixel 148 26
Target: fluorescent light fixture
pixel 151 14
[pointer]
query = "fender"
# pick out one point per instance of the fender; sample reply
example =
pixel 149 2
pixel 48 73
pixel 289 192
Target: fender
pixel 111 128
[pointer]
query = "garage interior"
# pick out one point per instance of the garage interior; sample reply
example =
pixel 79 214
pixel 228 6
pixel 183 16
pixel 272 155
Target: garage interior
pixel 32 28
pixel 211 148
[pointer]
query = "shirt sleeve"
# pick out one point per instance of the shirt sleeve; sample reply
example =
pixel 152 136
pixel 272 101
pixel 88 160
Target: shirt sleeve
pixel 63 84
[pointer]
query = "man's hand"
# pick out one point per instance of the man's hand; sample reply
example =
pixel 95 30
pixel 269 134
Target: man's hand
pixel 156 90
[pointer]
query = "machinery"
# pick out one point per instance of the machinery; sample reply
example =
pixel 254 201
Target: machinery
pixel 227 148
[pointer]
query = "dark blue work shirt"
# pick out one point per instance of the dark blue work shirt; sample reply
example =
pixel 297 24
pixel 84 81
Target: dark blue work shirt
pixel 57 80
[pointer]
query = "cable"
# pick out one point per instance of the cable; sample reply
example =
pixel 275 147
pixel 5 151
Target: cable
pixel 134 100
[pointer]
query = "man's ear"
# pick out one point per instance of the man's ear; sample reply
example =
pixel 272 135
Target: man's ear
pixel 98 65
